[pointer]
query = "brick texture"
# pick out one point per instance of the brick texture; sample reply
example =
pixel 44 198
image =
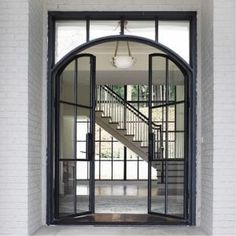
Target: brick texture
pixel 35 114
pixel 13 117
pixel 23 57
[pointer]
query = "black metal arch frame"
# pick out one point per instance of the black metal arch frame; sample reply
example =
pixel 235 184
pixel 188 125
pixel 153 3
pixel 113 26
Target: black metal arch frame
pixel 188 70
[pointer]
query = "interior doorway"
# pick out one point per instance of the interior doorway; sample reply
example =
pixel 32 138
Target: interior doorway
pixel 122 154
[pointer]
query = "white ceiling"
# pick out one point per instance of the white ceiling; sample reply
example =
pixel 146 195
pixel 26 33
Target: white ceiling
pixel 106 73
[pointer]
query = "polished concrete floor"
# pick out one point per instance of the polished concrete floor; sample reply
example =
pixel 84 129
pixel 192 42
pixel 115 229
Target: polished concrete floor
pixel 123 197
pixel 119 231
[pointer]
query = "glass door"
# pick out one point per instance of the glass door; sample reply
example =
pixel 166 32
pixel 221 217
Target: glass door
pixel 75 128
pixel 167 139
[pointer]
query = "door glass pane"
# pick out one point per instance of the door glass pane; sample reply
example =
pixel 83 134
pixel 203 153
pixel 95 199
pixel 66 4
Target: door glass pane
pixel 67 131
pixel 97 170
pixel 83 81
pixel 175 188
pixel 102 28
pixel 66 188
pixel 158 79
pixel 83 128
pixel 82 186
pixel 144 29
pixel 69 35
pixel 157 187
pixel 176 83
pixel 177 30
pixel 67 83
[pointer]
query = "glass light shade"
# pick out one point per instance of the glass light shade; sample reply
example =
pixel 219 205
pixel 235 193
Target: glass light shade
pixel 123 62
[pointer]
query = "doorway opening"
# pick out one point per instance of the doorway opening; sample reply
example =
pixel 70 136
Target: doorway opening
pixel 121 136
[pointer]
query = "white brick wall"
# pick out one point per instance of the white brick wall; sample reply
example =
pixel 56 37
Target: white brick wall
pixel 224 119
pixel 35 114
pixel 218 215
pixel 23 34
pixel 207 115
pixel 20 116
pixel 13 116
pixel 121 5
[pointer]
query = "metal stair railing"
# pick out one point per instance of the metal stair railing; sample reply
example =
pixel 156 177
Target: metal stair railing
pixel 128 117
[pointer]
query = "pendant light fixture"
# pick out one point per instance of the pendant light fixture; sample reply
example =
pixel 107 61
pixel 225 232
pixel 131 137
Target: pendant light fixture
pixel 122 61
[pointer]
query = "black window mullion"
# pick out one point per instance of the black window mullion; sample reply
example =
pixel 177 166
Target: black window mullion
pixel 166 136
pixel 75 135
pixel 156 30
pixel 87 29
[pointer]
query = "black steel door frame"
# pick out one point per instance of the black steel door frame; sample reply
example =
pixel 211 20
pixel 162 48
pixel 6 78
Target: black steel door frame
pixel 90 138
pixel 152 138
pixel 190 72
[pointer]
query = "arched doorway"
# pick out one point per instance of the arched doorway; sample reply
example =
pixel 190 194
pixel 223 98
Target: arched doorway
pixel 168 138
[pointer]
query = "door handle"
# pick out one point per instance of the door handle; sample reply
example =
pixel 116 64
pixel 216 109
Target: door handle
pixel 89 146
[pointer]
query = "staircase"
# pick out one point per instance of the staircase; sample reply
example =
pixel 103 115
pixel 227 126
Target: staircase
pixel 124 122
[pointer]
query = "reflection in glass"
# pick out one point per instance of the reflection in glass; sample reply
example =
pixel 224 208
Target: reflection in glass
pixel 144 29
pixel 102 28
pixel 67 131
pixel 83 81
pixel 83 128
pixel 67 83
pixel 69 35
pixel 157 188
pixel 175 188
pixel 82 186
pixel 82 170
pixel 66 188
pixel 177 30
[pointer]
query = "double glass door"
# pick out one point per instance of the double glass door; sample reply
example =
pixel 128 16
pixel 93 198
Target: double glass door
pixel 75 109
pixel 75 132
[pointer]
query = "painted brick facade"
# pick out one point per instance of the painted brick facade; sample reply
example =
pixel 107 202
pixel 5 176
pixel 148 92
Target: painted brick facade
pixel 224 118
pixel 23 57
pixel 13 117
pixel 35 115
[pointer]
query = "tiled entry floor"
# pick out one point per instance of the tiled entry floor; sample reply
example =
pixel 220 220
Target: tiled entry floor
pixel 119 231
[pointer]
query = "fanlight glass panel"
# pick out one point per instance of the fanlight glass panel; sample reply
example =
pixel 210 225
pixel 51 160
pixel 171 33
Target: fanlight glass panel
pixel 68 35
pixel 144 29
pixel 175 35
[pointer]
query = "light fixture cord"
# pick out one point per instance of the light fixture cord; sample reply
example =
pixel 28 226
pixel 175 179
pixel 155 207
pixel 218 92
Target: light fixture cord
pixel 117 46
pixel 116 50
pixel 129 49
